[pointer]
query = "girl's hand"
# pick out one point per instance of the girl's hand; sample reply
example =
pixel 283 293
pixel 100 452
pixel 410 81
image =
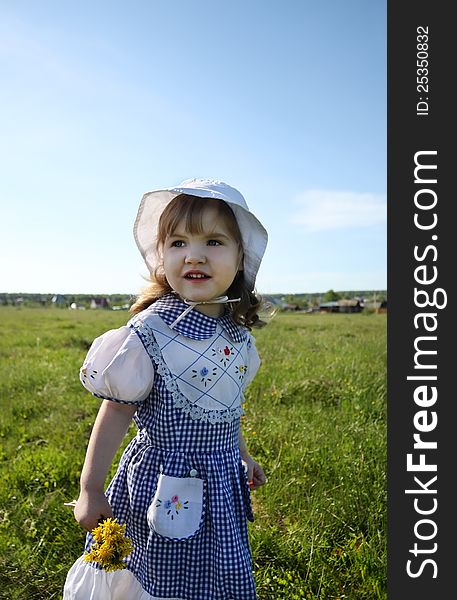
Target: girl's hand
pixel 90 508
pixel 256 476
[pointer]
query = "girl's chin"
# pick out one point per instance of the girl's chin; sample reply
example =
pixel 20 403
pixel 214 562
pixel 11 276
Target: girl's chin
pixel 198 292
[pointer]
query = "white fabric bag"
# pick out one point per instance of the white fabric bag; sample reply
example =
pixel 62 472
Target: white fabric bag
pixel 176 511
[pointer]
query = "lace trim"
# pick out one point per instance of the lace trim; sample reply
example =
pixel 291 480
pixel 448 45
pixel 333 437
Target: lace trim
pixel 179 400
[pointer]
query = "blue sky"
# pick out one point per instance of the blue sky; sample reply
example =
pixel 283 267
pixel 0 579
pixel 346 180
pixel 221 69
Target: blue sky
pixel 102 101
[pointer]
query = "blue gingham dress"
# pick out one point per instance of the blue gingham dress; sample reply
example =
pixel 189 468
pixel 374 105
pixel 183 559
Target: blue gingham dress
pixel 177 436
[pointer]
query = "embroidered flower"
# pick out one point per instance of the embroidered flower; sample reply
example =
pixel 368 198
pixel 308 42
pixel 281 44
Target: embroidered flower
pixel 203 374
pixel 91 374
pixel 173 506
pixel 240 370
pixel 223 354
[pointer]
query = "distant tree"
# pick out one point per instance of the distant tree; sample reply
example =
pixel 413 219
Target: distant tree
pixel 331 296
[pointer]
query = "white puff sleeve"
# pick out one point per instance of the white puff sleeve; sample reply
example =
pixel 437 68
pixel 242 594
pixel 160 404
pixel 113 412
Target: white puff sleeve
pixel 117 367
pixel 253 362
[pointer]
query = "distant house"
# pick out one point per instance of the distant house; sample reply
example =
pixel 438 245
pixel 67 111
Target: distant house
pixel 350 306
pixel 59 300
pixel 290 307
pixel 376 306
pixel 76 306
pixel 329 307
pixel 341 306
pixel 382 308
pixel 100 302
pixel 121 307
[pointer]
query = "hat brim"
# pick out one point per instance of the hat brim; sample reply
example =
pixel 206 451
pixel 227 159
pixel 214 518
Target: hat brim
pixel 253 235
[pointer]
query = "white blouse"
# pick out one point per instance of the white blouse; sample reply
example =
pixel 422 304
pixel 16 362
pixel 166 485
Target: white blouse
pixel 117 367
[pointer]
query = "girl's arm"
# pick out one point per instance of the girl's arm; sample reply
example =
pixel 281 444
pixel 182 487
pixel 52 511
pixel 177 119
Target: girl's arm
pixel 109 429
pixel 256 476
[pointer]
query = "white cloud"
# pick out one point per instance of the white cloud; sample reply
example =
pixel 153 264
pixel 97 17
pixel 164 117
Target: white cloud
pixel 321 210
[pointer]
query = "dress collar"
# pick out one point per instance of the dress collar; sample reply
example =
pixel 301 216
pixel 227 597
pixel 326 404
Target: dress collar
pixel 195 325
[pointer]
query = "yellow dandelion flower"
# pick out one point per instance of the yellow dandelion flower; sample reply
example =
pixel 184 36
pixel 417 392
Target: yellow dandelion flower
pixel 110 545
pixel 105 552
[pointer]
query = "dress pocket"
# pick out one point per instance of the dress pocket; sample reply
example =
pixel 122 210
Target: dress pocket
pixel 176 511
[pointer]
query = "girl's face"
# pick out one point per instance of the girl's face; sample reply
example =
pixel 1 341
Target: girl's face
pixel 202 266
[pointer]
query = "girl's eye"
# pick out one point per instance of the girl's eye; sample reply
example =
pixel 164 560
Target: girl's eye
pixel 177 244
pixel 214 243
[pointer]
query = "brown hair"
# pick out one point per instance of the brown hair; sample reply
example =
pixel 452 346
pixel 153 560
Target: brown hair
pixel 189 209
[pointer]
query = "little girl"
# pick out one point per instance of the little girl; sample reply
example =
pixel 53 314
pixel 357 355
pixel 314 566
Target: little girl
pixel 179 368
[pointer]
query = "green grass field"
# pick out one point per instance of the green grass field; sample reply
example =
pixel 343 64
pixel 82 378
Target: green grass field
pixel 315 419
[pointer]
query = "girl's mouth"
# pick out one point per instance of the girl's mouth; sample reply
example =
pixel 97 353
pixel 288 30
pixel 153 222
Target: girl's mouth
pixel 196 276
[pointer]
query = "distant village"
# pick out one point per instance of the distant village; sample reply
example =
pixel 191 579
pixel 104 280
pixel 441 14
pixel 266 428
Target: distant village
pixel 325 302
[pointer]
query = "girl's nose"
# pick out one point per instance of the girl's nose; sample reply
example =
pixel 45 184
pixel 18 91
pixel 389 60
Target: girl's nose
pixel 195 257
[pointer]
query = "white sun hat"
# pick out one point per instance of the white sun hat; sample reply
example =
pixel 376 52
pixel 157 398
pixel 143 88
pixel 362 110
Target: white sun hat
pixel 253 235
